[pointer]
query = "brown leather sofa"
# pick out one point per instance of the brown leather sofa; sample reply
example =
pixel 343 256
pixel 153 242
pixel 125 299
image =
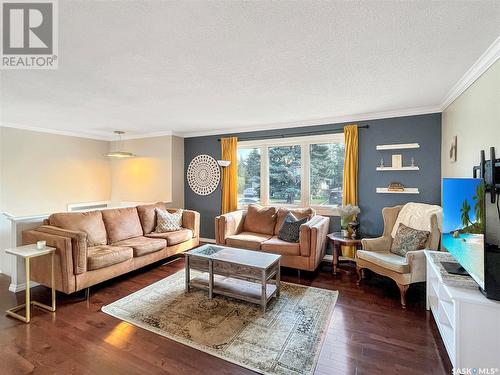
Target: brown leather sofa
pixel 96 246
pixel 257 229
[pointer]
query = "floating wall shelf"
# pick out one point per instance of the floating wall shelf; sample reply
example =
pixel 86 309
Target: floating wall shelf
pixel 406 191
pixel 398 146
pixel 398 169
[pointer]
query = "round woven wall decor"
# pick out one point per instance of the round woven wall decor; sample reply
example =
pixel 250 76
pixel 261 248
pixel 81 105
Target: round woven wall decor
pixel 203 174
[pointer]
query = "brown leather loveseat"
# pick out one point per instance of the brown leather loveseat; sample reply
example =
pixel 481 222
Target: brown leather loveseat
pixel 98 245
pixel 258 227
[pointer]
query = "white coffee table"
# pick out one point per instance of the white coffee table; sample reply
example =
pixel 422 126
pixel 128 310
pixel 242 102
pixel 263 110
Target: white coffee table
pixel 27 252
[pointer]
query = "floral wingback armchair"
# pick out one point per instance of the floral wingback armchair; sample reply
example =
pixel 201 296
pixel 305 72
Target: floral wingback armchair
pixel 404 270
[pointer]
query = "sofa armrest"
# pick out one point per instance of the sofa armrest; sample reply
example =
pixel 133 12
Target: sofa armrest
pixel 78 245
pixel 377 244
pixel 63 265
pixel 416 260
pixel 312 237
pixel 228 224
pixel 191 220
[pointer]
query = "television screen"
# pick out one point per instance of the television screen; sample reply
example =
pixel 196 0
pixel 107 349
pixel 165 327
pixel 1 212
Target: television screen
pixel 464 223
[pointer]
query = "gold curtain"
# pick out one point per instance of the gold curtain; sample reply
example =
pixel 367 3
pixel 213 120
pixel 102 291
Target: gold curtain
pixel 229 175
pixel 350 180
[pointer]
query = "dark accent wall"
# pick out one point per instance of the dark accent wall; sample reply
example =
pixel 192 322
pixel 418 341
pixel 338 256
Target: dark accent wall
pixel 422 129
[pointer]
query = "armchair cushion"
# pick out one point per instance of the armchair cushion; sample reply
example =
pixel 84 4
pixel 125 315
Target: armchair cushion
pixel 247 240
pixel 174 238
pixel 408 239
pixel 278 246
pixel 104 256
pixel 122 224
pixel 260 219
pixel 89 222
pixel 143 245
pixel 385 259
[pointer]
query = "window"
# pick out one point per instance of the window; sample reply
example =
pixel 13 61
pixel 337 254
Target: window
pixel 284 175
pixel 248 175
pixel 301 172
pixel 327 168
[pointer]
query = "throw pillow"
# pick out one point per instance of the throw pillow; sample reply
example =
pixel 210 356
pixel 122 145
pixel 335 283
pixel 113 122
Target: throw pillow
pixel 168 222
pixel 290 229
pixel 408 239
pixel 260 219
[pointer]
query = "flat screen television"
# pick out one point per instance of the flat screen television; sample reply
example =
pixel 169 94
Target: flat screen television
pixel 464 233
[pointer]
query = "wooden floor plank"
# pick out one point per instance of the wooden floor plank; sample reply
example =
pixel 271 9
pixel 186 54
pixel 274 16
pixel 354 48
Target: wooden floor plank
pixel 369 332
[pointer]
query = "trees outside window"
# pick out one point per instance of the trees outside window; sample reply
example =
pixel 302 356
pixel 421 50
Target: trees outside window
pixel 303 171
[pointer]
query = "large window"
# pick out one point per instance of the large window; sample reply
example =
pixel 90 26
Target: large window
pixel 302 171
pixel 248 175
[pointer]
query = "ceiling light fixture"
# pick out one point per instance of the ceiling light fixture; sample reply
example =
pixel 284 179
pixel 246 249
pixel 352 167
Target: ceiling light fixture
pixel 119 153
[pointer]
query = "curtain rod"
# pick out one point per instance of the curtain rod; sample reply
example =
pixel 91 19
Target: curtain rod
pixel 303 134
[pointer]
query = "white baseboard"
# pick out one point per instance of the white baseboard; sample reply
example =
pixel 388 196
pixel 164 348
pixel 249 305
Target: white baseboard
pixel 14 288
pixel 207 240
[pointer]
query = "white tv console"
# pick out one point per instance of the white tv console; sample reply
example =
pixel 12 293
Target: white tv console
pixel 468 322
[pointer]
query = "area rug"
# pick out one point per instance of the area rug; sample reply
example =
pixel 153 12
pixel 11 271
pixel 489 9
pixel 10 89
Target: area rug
pixel 286 339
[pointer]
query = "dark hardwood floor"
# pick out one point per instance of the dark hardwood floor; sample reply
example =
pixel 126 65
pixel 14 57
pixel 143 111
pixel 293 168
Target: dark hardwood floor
pixel 369 333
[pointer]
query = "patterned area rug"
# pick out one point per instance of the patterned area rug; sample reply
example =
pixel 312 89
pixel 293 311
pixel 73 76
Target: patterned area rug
pixel 286 339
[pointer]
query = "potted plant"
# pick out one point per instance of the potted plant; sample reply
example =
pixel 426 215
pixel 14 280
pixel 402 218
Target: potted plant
pixel 348 219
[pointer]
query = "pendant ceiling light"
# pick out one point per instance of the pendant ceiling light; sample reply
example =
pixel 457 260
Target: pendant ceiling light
pixel 119 153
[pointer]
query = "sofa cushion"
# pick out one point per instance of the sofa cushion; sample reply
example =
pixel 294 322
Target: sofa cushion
pixel 143 245
pixel 299 213
pixel 173 238
pixel 147 215
pixel 168 221
pixel 89 222
pixel 105 255
pixel 290 230
pixel 260 219
pixel 122 223
pixel 247 240
pixel 277 246
pixel 385 259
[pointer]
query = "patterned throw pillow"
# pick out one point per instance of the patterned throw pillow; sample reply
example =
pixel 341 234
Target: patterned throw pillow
pixel 290 229
pixel 168 222
pixel 408 239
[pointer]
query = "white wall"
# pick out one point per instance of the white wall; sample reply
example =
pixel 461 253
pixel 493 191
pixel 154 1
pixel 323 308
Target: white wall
pixel 474 117
pixel 41 173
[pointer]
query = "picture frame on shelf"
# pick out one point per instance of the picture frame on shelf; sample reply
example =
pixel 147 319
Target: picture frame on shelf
pixel 397 161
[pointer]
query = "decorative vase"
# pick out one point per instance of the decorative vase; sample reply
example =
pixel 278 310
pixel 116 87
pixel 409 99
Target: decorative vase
pixel 344 225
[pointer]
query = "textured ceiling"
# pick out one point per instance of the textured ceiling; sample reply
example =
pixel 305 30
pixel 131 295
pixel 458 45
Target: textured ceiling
pixel 153 66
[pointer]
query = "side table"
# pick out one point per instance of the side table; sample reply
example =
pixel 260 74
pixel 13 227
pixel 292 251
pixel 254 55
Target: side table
pixel 338 240
pixel 27 252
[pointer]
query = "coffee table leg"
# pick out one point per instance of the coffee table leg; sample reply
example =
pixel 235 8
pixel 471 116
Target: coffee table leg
pixel 264 294
pixel 278 279
pixel 210 279
pixel 187 272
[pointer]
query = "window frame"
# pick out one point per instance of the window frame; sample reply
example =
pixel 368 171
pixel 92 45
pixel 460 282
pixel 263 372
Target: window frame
pixel 305 171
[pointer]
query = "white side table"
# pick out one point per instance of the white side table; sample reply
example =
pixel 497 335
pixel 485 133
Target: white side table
pixel 27 252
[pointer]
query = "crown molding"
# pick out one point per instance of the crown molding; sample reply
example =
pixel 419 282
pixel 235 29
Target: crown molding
pixel 68 133
pixel 148 135
pixel 487 59
pixel 100 136
pixel 320 121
